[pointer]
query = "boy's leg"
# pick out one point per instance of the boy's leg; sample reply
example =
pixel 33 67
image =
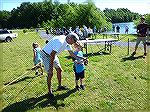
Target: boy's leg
pixel 36 70
pixel 81 80
pixel 81 84
pixel 40 66
pixel 76 81
pixel 77 87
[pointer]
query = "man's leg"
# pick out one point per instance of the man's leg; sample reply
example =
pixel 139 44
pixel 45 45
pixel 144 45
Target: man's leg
pixel 49 78
pixel 58 70
pixel 136 46
pixel 46 61
pixel 59 75
pixel 145 45
pixel 144 48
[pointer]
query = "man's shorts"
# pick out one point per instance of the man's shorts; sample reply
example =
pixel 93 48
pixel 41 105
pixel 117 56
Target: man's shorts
pixel 79 75
pixel 139 39
pixel 46 61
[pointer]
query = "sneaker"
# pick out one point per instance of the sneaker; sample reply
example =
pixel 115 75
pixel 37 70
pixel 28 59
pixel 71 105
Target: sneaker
pixel 145 54
pixel 133 53
pixel 82 87
pixel 77 88
pixel 36 73
pixel 62 88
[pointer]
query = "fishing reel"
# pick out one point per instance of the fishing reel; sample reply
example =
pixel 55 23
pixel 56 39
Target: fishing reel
pixel 86 62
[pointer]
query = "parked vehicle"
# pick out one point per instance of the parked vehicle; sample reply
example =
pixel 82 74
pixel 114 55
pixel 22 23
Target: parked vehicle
pixel 7 36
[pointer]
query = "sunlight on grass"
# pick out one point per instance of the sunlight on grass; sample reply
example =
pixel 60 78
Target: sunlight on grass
pixel 113 81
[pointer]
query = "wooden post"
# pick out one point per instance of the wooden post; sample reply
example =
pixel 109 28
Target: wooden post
pixel 128 46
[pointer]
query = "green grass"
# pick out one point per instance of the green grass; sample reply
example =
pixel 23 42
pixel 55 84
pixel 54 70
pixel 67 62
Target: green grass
pixel 114 82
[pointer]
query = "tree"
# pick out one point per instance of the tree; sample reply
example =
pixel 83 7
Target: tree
pixel 4 16
pixel 31 14
pixel 120 15
pixel 147 17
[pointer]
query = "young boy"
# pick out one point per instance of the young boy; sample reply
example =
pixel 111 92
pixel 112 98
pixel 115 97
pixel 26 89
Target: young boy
pixel 37 58
pixel 79 66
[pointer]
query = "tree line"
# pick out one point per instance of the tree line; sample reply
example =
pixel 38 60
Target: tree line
pixel 47 14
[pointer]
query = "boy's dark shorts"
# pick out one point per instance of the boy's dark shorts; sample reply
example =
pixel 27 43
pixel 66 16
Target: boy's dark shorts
pixel 79 75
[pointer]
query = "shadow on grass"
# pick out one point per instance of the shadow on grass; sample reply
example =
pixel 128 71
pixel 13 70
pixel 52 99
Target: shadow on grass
pixel 145 78
pixel 91 54
pixel 96 54
pixel 1 41
pixel 39 102
pixel 23 79
pixel 132 58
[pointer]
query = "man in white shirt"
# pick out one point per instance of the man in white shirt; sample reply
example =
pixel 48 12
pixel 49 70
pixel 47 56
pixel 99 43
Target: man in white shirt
pixel 50 59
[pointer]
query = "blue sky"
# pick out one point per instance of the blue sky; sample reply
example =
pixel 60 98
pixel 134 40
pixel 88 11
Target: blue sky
pixel 139 6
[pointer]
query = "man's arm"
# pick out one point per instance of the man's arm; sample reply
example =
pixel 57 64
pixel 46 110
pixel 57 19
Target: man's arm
pixel 52 57
pixel 74 56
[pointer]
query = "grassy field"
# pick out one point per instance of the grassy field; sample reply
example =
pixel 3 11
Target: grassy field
pixel 114 82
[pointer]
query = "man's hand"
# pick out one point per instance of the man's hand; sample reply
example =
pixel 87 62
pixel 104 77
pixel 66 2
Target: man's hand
pixel 85 61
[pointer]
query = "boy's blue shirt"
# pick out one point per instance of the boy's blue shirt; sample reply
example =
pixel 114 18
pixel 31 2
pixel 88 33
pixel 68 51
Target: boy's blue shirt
pixel 38 53
pixel 79 67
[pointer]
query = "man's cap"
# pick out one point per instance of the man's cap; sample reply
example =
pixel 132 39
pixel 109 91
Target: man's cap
pixel 74 36
pixel 142 17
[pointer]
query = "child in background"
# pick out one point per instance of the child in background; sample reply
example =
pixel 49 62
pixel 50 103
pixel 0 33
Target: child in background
pixel 37 58
pixel 79 66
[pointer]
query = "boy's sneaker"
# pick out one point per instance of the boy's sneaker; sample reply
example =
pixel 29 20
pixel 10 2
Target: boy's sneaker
pixel 77 88
pixel 82 87
pixel 133 53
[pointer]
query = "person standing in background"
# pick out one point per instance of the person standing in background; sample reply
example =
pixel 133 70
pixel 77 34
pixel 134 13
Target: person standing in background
pixel 142 33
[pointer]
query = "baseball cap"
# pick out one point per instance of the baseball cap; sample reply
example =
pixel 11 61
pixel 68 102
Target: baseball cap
pixel 74 36
pixel 142 17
